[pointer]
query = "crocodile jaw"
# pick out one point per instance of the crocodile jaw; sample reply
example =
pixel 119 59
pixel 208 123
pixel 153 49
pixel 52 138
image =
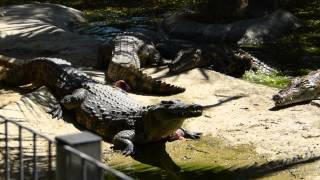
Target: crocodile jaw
pixel 161 120
pixel 300 90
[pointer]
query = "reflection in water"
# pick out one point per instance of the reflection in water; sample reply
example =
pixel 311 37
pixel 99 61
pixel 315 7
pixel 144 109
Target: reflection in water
pixel 208 158
pixel 155 154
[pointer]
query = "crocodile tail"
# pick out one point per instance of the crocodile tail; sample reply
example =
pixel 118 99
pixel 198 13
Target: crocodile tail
pixel 139 81
pixel 6 64
pixel 9 62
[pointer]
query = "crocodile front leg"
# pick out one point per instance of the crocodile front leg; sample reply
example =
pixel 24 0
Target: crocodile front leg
pixel 75 99
pixel 183 133
pixel 69 102
pixel 123 142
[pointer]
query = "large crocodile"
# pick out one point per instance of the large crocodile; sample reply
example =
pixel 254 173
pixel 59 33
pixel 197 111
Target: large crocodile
pixel 226 60
pixel 102 109
pixel 124 58
pixel 221 59
pixel 300 89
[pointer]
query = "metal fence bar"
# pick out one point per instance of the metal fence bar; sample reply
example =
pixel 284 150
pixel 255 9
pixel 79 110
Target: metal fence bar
pixel 20 147
pixel 99 164
pixel 7 165
pixel 35 170
pixel 21 154
pixel 86 159
pixel 83 169
pixel 100 170
pixel 49 158
pixel 31 130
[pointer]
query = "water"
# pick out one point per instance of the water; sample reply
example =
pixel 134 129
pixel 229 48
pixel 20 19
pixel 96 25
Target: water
pixel 208 158
pixel 105 30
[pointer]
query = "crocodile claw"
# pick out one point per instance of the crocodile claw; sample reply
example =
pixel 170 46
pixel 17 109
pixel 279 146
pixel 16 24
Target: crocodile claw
pixel 127 151
pixel 125 146
pixel 191 135
pixel 55 110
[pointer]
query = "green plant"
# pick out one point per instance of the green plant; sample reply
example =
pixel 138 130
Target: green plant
pixel 274 80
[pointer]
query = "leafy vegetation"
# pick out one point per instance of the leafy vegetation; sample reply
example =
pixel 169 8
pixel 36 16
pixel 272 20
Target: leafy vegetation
pixel 298 52
pixel 272 80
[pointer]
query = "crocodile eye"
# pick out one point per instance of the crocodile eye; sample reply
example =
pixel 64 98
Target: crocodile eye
pixel 166 102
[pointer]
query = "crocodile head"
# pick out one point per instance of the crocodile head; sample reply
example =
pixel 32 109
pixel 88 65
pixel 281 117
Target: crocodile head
pixel 186 60
pixel 300 89
pixel 148 54
pixel 162 119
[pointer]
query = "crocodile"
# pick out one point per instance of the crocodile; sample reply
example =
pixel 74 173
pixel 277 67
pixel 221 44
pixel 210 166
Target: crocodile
pixel 224 60
pixel 300 89
pixel 124 58
pixel 103 109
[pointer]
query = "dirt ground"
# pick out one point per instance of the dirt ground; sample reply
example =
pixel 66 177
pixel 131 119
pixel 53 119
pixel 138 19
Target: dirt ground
pixel 241 115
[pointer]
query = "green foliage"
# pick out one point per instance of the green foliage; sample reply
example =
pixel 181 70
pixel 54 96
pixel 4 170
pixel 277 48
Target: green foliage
pixel 273 80
pixel 298 52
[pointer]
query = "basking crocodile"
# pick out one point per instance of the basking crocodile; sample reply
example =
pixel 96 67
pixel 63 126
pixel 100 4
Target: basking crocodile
pixel 102 109
pixel 124 58
pixel 223 60
pixel 300 89
pixel 226 60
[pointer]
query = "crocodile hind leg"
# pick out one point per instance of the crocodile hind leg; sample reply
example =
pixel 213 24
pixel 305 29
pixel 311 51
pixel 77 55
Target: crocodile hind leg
pixel 123 142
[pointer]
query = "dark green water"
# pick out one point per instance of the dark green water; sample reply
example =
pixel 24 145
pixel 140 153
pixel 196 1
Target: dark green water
pixel 208 158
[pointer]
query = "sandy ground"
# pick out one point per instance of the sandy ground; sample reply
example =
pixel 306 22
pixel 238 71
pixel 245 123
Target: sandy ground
pixel 241 114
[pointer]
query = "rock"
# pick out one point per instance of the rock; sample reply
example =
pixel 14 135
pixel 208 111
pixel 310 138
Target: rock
pixel 43 29
pixel 249 31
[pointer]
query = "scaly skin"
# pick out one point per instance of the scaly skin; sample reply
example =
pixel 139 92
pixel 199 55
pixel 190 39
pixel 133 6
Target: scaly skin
pixel 300 89
pixel 102 109
pixel 125 58
pixel 223 60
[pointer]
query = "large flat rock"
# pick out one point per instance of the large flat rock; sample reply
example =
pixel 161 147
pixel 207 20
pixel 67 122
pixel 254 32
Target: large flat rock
pixel 43 29
pixel 248 31
pixel 241 115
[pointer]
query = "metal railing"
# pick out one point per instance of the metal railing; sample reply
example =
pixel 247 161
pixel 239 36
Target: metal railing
pixel 86 166
pixel 101 169
pixel 21 169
